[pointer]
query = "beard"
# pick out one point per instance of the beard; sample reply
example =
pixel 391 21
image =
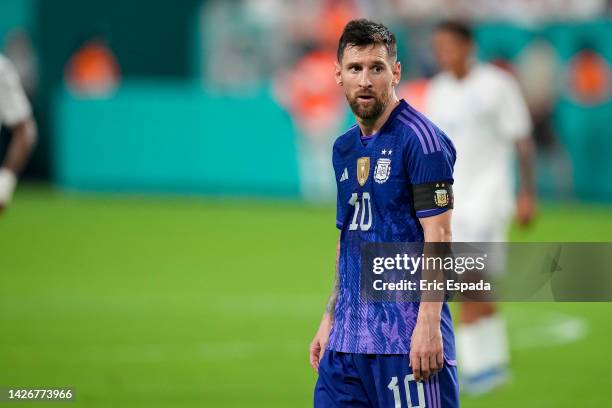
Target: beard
pixel 371 111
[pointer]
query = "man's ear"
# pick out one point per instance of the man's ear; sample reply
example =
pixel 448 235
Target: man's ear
pixel 338 73
pixel 397 73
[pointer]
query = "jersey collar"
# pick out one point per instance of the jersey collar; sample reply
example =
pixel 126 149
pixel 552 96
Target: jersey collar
pixel 400 107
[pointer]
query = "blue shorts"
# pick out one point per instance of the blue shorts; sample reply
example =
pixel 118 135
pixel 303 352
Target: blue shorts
pixel 381 381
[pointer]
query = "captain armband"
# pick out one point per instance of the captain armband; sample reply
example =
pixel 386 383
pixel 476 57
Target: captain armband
pixel 433 196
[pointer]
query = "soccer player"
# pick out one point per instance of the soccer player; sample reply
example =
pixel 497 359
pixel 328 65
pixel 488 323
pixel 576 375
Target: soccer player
pixel 387 167
pixel 15 112
pixel 481 108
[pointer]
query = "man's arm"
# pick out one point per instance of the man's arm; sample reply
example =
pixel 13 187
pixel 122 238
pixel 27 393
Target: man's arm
pixel 23 140
pixel 319 343
pixel 331 303
pixel 526 199
pixel 426 347
pixel 16 114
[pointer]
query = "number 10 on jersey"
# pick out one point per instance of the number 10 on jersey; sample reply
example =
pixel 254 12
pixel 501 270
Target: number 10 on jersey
pixel 362 217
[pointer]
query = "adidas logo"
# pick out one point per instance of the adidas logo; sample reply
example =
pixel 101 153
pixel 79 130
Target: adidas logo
pixel 344 175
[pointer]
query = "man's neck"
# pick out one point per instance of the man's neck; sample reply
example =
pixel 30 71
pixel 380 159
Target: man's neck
pixel 369 127
pixel 462 71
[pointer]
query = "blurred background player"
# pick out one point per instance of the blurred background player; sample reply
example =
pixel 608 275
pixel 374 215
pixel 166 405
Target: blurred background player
pixel 16 114
pixel 481 108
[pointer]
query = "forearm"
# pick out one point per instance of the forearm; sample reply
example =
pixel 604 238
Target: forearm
pixel 435 233
pixel 22 143
pixel 331 302
pixel 525 150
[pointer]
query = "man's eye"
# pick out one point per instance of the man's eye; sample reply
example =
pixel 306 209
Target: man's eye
pixel 378 69
pixel 354 69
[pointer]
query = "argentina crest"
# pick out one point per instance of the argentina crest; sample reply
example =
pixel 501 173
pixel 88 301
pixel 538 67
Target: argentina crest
pixel 382 170
pixel 441 195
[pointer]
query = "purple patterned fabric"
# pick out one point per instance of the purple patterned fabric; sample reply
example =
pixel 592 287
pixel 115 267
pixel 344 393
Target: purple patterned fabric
pixel 380 209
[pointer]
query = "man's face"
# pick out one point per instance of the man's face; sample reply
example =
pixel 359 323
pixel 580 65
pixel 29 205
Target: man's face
pixel 368 76
pixel 450 50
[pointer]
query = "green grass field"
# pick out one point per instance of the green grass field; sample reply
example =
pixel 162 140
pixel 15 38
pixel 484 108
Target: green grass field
pixel 146 302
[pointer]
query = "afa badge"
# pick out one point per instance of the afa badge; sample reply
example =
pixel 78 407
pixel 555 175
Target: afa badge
pixel 441 196
pixel 382 170
pixel 363 170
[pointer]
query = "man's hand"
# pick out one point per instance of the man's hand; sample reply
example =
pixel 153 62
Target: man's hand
pixel 426 346
pixel 525 207
pixel 319 343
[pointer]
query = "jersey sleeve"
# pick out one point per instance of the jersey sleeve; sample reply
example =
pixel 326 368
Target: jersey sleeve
pixel 514 118
pixel 430 172
pixel 14 105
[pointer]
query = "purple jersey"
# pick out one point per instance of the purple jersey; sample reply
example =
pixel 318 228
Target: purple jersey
pixel 375 204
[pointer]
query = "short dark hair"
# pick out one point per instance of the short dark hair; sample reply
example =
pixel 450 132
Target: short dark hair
pixel 460 28
pixel 365 32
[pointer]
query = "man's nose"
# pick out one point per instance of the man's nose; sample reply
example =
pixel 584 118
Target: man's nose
pixel 364 79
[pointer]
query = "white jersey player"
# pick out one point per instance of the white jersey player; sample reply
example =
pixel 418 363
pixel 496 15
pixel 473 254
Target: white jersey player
pixel 16 114
pixel 481 108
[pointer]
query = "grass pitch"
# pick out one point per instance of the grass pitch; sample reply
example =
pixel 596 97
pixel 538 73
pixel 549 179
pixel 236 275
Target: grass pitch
pixel 193 302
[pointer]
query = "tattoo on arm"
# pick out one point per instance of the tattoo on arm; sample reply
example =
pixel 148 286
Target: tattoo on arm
pixel 331 303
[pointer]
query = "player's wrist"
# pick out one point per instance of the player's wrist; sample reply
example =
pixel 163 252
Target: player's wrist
pixel 430 312
pixel 327 319
pixel 8 182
